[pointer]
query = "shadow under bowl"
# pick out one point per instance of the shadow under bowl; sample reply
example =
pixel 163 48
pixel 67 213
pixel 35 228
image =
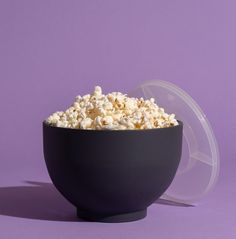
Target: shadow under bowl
pixel 112 175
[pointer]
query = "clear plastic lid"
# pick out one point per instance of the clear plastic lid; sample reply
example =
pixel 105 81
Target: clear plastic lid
pixel 199 165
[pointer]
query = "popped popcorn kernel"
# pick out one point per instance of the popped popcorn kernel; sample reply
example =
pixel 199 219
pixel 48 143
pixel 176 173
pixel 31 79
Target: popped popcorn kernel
pixel 114 111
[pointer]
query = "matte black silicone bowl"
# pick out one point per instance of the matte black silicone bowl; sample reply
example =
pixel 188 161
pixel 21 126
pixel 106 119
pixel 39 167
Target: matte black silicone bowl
pixel 112 175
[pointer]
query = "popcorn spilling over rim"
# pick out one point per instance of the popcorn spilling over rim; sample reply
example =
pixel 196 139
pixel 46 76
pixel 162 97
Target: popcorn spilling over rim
pixel 114 111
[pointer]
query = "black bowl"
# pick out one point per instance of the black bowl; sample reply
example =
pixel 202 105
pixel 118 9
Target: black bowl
pixel 112 175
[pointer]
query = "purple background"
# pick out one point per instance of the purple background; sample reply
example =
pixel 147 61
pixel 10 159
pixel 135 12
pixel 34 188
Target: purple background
pixel 51 51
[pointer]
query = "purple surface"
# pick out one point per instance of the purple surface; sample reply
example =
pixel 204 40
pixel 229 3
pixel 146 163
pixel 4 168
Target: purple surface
pixel 50 51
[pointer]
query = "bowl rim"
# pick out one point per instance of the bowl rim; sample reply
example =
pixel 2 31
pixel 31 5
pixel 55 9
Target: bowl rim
pixel 47 125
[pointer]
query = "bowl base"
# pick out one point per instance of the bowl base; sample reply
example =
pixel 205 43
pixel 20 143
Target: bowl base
pixel 125 217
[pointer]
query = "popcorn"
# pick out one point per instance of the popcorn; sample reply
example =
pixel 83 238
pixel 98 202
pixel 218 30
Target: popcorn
pixel 86 123
pixel 97 90
pixel 107 120
pixel 114 111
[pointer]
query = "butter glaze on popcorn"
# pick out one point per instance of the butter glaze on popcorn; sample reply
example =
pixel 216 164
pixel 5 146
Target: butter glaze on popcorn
pixel 114 111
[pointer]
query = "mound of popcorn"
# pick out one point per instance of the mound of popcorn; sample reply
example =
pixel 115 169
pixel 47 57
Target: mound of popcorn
pixel 114 111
